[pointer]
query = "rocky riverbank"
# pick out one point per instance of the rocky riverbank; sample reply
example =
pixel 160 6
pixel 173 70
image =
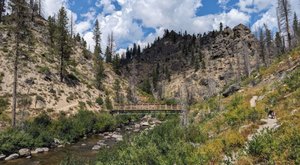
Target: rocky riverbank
pixel 89 144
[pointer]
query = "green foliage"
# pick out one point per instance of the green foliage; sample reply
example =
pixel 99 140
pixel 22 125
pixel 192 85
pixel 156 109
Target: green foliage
pixel 43 69
pixel 171 101
pixel 163 145
pixel 262 146
pixel 293 81
pixel 14 139
pixel 1 77
pixel 99 100
pixel 146 86
pixel 108 103
pixel 3 105
pixel 42 130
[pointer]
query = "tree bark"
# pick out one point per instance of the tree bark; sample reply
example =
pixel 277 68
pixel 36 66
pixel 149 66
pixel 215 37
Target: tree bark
pixel 15 84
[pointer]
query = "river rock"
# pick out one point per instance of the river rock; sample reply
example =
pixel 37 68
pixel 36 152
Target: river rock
pixel 60 146
pixel 136 130
pixel 146 124
pixel 137 126
pixel 40 150
pixel 83 144
pixel 2 156
pixel 12 157
pixel 28 157
pixel 101 144
pixel 96 147
pixel 57 141
pixel 24 152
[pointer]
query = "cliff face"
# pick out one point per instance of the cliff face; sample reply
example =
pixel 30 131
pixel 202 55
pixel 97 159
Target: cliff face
pixel 195 67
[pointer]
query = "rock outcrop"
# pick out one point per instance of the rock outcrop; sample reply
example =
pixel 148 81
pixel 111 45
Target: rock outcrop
pixel 195 67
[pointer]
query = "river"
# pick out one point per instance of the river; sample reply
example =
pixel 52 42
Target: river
pixel 82 150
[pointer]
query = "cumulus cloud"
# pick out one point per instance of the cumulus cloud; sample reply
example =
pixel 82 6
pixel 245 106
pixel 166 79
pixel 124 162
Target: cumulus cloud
pixel 254 6
pixel 269 17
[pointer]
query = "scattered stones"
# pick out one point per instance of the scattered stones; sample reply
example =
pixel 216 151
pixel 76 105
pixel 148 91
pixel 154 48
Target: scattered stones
pixel 40 150
pixel 60 146
pixel 137 126
pixel 83 144
pixel 2 156
pixel 28 157
pixel 146 124
pixel 24 152
pixel 57 141
pixel 12 157
pixel 96 147
pixel 253 101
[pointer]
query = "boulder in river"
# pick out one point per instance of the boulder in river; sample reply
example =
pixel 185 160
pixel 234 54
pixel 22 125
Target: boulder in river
pixel 12 157
pixel 40 150
pixel 96 147
pixel 2 156
pixel 145 124
pixel 24 152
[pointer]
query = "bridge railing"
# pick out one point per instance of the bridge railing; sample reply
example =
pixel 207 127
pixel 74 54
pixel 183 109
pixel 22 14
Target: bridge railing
pixel 163 107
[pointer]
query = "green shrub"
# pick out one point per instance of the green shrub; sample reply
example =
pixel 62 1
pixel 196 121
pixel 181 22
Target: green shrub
pixel 3 105
pixel 262 146
pixel 99 100
pixel 43 70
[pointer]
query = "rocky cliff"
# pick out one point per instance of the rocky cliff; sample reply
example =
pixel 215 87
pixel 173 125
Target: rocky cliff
pixel 195 66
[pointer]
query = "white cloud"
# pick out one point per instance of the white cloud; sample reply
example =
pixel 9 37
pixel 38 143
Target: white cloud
pixel 269 17
pixel 254 6
pixel 178 15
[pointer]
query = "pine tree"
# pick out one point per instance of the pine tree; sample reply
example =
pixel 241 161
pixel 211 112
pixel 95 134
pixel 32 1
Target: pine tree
pixel 110 48
pixel 51 28
pixel 20 17
pixel 98 63
pixel 117 88
pixel 278 43
pixel 2 9
pixel 97 39
pixel 262 45
pixel 296 27
pixel 221 26
pixel 268 40
pixel 63 40
pixel 107 54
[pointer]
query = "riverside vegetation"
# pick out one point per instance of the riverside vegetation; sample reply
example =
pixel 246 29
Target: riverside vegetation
pixel 41 131
pixel 214 134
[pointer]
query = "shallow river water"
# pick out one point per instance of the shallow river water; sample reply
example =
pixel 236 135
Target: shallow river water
pixel 82 150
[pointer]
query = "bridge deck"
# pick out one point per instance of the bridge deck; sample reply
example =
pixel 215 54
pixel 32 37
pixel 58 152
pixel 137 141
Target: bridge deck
pixel 142 108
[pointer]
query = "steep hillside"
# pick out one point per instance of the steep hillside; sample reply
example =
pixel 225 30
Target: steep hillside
pixel 198 65
pixel 39 86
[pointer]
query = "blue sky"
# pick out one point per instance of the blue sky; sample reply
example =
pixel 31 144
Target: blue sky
pixel 142 21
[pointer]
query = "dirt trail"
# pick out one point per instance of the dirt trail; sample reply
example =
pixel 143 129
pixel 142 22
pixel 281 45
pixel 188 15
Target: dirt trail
pixel 269 124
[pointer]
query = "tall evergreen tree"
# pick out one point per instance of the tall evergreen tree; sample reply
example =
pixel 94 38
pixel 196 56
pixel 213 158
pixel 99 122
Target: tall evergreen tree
pixel 268 40
pixel 98 63
pixel 20 17
pixel 51 28
pixel 262 45
pixel 63 40
pixel 296 27
pixel 97 39
pixel 279 44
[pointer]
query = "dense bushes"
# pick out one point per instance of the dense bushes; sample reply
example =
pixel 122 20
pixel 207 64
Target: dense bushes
pixel 42 130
